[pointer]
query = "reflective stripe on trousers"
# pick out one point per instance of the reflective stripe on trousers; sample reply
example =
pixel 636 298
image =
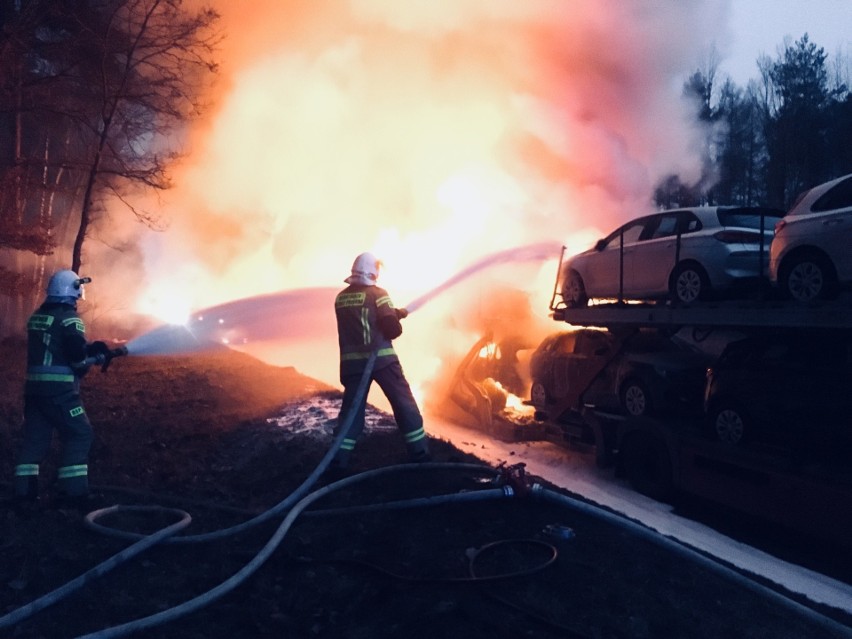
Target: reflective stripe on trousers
pixel 415 436
pixel 42 416
pixel 365 355
pixel 26 470
pixel 405 410
pixel 69 472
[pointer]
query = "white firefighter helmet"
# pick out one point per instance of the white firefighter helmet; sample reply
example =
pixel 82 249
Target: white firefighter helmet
pixel 67 284
pixel 365 270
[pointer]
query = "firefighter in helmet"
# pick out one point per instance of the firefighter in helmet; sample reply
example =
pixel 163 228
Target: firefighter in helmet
pixel 58 356
pixel 367 321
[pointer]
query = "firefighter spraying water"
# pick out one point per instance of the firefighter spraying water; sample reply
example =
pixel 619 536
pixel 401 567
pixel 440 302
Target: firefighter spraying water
pixel 367 323
pixel 245 320
pixel 58 357
pixel 365 319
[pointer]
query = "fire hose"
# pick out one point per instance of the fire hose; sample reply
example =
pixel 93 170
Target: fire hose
pixel 516 484
pixel 166 535
pixel 297 500
pixel 143 542
pixel 679 548
pixel 279 508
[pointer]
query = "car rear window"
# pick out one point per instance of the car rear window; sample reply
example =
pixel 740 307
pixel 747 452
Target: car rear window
pixel 749 217
pixel 837 197
pixel 561 343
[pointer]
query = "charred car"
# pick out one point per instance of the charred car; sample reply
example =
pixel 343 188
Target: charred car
pixel 632 374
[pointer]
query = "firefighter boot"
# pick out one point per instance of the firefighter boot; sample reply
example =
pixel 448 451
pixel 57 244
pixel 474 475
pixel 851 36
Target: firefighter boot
pixel 25 499
pixel 420 457
pixel 339 466
pixel 26 482
pixel 418 452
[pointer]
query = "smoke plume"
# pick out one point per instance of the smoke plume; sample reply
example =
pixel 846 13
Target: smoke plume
pixel 431 133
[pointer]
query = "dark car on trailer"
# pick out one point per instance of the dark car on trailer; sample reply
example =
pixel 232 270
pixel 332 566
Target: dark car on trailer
pixel 635 374
pixel 790 389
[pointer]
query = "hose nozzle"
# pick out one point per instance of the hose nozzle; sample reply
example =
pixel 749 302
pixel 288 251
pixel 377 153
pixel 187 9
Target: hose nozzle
pixel 106 358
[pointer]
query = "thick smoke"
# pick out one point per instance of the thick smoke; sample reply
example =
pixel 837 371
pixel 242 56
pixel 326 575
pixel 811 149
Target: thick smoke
pixel 432 134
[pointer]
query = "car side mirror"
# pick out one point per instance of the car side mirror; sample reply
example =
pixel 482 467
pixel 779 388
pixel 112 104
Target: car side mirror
pixel 600 245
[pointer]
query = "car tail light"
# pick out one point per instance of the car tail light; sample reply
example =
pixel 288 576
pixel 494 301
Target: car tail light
pixel 738 237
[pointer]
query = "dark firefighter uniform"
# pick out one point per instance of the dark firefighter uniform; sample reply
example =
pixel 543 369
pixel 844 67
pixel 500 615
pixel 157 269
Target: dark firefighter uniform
pixel 56 354
pixel 367 320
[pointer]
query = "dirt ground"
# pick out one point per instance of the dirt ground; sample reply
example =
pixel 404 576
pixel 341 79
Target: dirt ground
pixel 194 434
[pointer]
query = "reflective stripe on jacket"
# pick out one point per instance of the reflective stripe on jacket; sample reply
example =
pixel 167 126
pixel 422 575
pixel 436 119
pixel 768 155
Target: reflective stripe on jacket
pixel 56 350
pixel 359 309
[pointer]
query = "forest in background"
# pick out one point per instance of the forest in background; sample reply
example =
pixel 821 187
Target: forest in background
pixel 788 130
pixel 93 100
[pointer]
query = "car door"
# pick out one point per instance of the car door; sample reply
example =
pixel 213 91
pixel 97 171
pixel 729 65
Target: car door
pixel 612 259
pixel 552 363
pixel 592 351
pixel 655 254
pixel 831 226
pixel 574 370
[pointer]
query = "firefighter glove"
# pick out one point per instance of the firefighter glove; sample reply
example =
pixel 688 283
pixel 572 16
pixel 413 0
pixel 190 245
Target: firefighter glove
pixel 401 313
pixel 97 349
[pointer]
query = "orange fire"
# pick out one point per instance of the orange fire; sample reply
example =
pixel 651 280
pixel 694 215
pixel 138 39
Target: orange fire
pixel 430 135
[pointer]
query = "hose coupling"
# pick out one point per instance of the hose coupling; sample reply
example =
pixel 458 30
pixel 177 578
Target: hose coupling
pixel 514 476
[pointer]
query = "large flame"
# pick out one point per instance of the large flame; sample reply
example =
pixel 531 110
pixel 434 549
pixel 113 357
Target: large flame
pixel 431 134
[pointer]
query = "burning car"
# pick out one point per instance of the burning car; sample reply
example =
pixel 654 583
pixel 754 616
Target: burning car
pixel 489 386
pixel 633 373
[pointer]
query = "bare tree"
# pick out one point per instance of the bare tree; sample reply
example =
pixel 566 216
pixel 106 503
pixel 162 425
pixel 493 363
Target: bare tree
pixel 840 73
pixel 137 79
pixel 93 100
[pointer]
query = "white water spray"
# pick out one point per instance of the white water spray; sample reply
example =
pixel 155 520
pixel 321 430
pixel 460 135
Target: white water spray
pixel 530 253
pixel 295 315
pixel 169 338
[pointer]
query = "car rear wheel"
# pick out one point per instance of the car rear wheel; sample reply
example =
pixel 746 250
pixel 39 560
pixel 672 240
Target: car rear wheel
pixel 635 399
pixel 729 424
pixel 574 291
pixel 807 278
pixel 688 284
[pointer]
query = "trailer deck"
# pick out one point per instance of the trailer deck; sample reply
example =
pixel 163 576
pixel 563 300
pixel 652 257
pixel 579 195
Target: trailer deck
pixel 734 314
